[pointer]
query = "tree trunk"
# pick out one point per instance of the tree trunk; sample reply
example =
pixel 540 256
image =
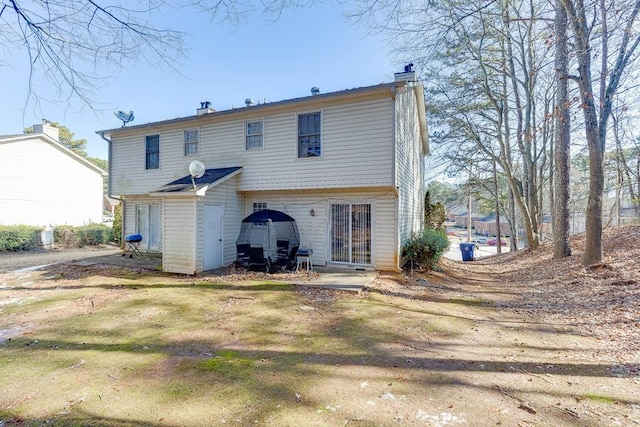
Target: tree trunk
pixel 498 230
pixel 561 242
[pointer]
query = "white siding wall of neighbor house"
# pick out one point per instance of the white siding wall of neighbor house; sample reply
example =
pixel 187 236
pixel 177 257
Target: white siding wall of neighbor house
pixel 42 185
pixel 179 253
pixel 314 230
pixel 357 146
pixel 409 166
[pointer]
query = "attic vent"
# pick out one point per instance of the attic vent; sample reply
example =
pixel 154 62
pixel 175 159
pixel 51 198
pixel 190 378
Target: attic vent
pixel 315 90
pixel 248 102
pixel 205 108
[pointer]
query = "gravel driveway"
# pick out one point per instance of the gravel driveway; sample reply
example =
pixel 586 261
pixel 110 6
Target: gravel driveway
pixel 11 261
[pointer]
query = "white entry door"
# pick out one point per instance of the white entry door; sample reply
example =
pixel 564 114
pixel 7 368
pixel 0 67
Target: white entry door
pixel 212 238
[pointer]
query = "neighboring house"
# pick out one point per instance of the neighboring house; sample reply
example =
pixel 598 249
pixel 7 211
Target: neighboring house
pixel 348 166
pixel 486 226
pixel 44 183
pixel 462 220
pixel 458 210
pixel 110 204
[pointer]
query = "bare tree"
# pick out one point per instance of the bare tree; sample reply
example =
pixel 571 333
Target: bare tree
pixel 615 23
pixel 561 246
pixel 76 45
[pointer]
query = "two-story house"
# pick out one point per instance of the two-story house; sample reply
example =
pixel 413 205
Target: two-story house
pixel 348 166
pixel 44 183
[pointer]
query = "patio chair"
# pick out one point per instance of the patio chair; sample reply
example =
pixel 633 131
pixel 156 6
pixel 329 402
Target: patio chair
pixel 243 254
pixel 258 260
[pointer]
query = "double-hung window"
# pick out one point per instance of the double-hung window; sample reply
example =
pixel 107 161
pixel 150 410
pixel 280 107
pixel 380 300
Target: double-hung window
pixel 259 206
pixel 254 135
pixel 152 152
pixel 191 138
pixel 309 135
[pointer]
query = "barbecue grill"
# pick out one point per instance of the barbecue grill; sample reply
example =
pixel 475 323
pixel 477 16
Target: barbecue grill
pixel 132 241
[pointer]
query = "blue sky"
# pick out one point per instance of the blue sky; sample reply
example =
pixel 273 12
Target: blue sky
pixel 260 59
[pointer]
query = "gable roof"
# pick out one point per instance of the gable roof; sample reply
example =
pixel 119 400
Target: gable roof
pixel 11 139
pixel 185 185
pixel 380 89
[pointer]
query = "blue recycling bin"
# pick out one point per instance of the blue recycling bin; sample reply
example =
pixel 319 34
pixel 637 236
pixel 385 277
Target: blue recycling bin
pixel 467 251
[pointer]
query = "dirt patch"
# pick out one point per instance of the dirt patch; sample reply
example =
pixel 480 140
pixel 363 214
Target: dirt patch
pixel 513 340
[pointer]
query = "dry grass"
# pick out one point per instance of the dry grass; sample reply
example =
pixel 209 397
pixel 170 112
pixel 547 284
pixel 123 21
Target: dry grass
pixel 513 340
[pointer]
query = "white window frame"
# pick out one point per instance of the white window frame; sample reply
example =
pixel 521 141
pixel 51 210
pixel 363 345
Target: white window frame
pixel 147 159
pixel 303 139
pixel 191 147
pixel 147 224
pixel 248 136
pixel 259 206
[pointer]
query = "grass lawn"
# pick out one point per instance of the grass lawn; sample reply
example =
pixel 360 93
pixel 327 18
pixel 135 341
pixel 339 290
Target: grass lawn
pixel 109 346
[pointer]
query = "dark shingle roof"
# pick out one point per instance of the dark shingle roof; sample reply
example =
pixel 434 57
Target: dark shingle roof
pixel 185 184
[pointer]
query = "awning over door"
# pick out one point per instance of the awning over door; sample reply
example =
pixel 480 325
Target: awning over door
pixel 185 185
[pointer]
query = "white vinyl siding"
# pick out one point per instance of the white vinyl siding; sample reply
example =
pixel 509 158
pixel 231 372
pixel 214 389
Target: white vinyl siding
pixel 357 151
pixel 179 249
pixel 314 229
pixel 57 188
pixel 409 166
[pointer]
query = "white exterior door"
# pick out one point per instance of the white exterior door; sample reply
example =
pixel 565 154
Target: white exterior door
pixel 212 237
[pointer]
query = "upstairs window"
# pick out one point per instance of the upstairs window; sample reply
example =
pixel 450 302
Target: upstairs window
pixel 253 135
pixel 309 140
pixel 152 152
pixel 191 138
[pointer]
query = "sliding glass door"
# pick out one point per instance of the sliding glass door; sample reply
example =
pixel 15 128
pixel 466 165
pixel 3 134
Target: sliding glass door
pixel 351 233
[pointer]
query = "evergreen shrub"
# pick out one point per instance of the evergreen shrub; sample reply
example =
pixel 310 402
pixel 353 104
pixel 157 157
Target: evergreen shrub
pixel 87 235
pixel 422 251
pixel 19 237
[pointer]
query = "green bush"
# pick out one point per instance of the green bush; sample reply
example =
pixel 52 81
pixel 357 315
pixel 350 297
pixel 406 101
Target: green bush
pixel 424 250
pixel 19 237
pixel 117 224
pixel 87 235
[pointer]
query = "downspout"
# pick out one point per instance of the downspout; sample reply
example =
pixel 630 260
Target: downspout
pixel 395 181
pixel 121 199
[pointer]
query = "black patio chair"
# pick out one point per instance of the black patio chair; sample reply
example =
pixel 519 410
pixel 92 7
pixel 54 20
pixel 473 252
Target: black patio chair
pixel 243 254
pixel 283 249
pixel 257 259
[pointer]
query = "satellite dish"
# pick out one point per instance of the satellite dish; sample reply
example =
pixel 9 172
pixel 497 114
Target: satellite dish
pixel 196 169
pixel 125 117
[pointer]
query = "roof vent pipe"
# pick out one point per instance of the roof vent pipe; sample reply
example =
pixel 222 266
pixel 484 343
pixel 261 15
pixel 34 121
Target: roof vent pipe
pixel 205 108
pixel 315 90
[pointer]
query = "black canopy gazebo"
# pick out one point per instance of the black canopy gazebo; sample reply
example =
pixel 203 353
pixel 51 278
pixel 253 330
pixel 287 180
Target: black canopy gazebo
pixel 268 240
